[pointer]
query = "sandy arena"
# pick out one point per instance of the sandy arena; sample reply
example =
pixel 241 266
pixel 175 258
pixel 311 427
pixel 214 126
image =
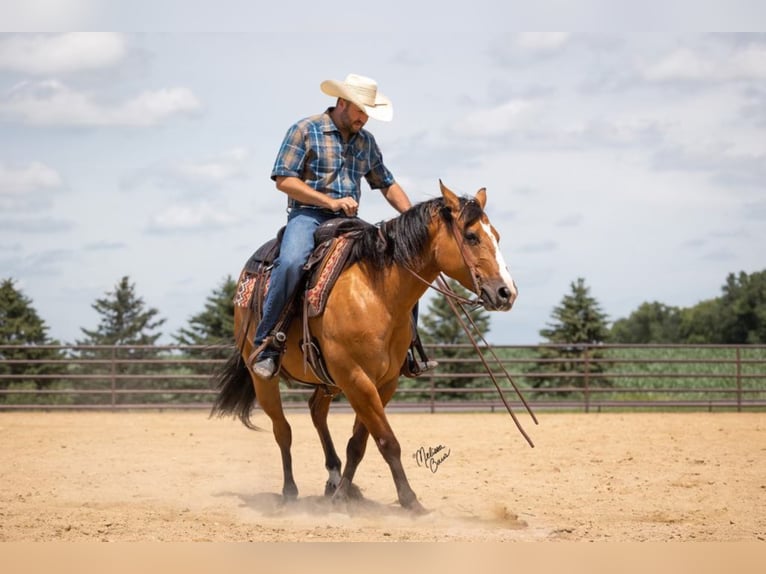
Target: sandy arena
pixel 179 476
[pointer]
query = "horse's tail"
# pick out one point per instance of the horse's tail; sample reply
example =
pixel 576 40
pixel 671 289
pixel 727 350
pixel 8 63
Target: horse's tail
pixel 236 393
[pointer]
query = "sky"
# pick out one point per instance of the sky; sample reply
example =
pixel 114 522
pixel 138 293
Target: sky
pixel 636 161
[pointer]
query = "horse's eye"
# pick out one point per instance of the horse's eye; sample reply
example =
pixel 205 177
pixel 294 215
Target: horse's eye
pixel 471 238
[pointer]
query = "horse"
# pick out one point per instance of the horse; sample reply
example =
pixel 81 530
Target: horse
pixel 365 331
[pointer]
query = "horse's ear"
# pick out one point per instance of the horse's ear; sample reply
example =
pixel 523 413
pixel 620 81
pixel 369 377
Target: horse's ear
pixel 481 197
pixel 450 199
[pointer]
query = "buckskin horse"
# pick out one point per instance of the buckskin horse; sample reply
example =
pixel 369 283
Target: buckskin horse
pixel 365 331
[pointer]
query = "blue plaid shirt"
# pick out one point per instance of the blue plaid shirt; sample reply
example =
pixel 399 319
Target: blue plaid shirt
pixel 314 151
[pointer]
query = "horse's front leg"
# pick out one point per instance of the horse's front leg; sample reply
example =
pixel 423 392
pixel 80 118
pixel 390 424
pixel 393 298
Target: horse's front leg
pixel 319 403
pixel 369 403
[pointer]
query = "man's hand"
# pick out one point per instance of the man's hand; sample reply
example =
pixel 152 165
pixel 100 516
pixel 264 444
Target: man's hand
pixel 347 205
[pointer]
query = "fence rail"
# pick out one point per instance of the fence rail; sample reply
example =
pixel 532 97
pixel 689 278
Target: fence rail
pixel 581 377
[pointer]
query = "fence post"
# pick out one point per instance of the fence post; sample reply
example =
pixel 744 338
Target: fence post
pixel 114 377
pixel 432 388
pixel 739 380
pixel 587 379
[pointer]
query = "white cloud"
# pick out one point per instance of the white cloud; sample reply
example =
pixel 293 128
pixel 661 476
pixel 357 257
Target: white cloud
pixel 20 185
pixel 191 217
pixel 541 41
pixel 215 171
pixel 51 102
pixel 60 54
pixel 231 164
pixel 686 64
pixel 52 15
pixel 498 120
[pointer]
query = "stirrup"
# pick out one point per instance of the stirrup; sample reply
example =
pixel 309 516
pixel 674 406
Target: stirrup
pixel 413 368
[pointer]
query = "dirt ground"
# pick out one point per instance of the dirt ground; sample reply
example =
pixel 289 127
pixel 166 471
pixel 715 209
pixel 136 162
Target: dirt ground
pixel 183 477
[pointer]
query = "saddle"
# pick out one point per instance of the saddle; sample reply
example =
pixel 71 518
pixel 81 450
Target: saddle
pixel 333 241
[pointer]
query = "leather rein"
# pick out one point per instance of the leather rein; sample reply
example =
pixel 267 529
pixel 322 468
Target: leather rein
pixel 457 302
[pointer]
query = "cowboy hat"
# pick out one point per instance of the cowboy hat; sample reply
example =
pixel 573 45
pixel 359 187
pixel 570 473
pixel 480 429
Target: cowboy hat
pixel 364 93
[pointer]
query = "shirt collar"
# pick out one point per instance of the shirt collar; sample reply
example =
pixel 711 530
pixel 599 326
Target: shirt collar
pixel 329 126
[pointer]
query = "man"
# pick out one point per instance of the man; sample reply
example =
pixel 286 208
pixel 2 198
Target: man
pixel 320 166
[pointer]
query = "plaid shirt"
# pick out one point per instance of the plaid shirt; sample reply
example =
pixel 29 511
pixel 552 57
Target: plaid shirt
pixel 314 151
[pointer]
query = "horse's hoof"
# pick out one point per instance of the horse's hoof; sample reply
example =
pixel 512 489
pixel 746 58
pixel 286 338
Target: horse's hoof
pixel 416 508
pixel 290 493
pixel 353 492
pixel 330 488
pixel 347 491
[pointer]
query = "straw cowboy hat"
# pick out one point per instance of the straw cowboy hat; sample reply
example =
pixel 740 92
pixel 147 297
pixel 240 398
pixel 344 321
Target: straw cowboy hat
pixel 364 93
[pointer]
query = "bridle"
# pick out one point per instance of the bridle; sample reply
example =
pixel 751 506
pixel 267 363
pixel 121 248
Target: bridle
pixel 468 259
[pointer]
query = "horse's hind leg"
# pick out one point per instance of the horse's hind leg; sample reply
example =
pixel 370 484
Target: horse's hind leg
pixel 271 403
pixel 319 403
pixel 355 449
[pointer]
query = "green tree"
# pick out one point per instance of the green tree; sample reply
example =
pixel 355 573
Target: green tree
pixel 439 325
pixel 700 324
pixel 576 322
pixel 22 327
pixel 125 320
pixel 214 325
pixel 130 328
pixel 650 323
pixel 578 319
pixel 743 309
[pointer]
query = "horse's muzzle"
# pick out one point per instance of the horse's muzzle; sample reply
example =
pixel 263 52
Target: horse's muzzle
pixel 498 296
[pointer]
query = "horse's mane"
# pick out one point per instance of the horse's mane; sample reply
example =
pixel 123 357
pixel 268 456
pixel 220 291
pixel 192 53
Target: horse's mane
pixel 403 239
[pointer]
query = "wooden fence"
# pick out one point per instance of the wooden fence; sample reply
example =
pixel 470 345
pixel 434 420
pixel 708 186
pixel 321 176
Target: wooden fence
pixel 572 377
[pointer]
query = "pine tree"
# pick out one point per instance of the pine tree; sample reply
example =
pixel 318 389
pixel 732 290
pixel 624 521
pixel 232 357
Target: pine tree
pixel 124 319
pixel 126 323
pixel 215 324
pixel 21 326
pixel 577 321
pixel 440 326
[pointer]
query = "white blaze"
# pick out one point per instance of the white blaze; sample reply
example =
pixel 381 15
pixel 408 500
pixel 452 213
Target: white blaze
pixel 504 273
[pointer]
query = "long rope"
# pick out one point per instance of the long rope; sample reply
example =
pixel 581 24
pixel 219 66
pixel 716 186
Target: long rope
pixel 456 301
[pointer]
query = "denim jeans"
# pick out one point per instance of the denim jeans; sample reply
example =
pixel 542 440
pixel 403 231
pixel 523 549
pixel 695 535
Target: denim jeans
pixel 297 245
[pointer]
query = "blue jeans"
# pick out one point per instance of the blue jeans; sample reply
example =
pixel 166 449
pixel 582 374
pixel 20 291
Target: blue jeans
pixel 297 245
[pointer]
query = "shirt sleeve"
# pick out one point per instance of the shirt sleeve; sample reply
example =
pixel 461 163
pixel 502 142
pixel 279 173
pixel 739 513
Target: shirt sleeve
pixel 291 154
pixel 379 176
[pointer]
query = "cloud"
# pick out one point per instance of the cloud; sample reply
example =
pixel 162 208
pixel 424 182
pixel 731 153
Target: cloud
pixel 35 225
pixel 61 54
pixel 572 220
pixel 527 47
pixel 541 41
pixel 188 217
pixel 538 247
pixel 105 246
pixel 726 168
pixel 53 103
pixel 52 15
pixel 43 263
pixel 26 186
pixel 689 65
pixel 230 165
pixel 498 120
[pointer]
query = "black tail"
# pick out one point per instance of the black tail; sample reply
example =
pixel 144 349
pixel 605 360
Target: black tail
pixel 236 393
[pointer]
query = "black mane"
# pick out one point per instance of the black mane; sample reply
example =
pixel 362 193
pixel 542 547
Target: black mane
pixel 402 240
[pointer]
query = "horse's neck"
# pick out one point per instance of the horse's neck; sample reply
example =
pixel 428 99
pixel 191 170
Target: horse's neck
pixel 409 284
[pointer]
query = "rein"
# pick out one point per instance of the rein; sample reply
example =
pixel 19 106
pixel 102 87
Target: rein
pixel 456 301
